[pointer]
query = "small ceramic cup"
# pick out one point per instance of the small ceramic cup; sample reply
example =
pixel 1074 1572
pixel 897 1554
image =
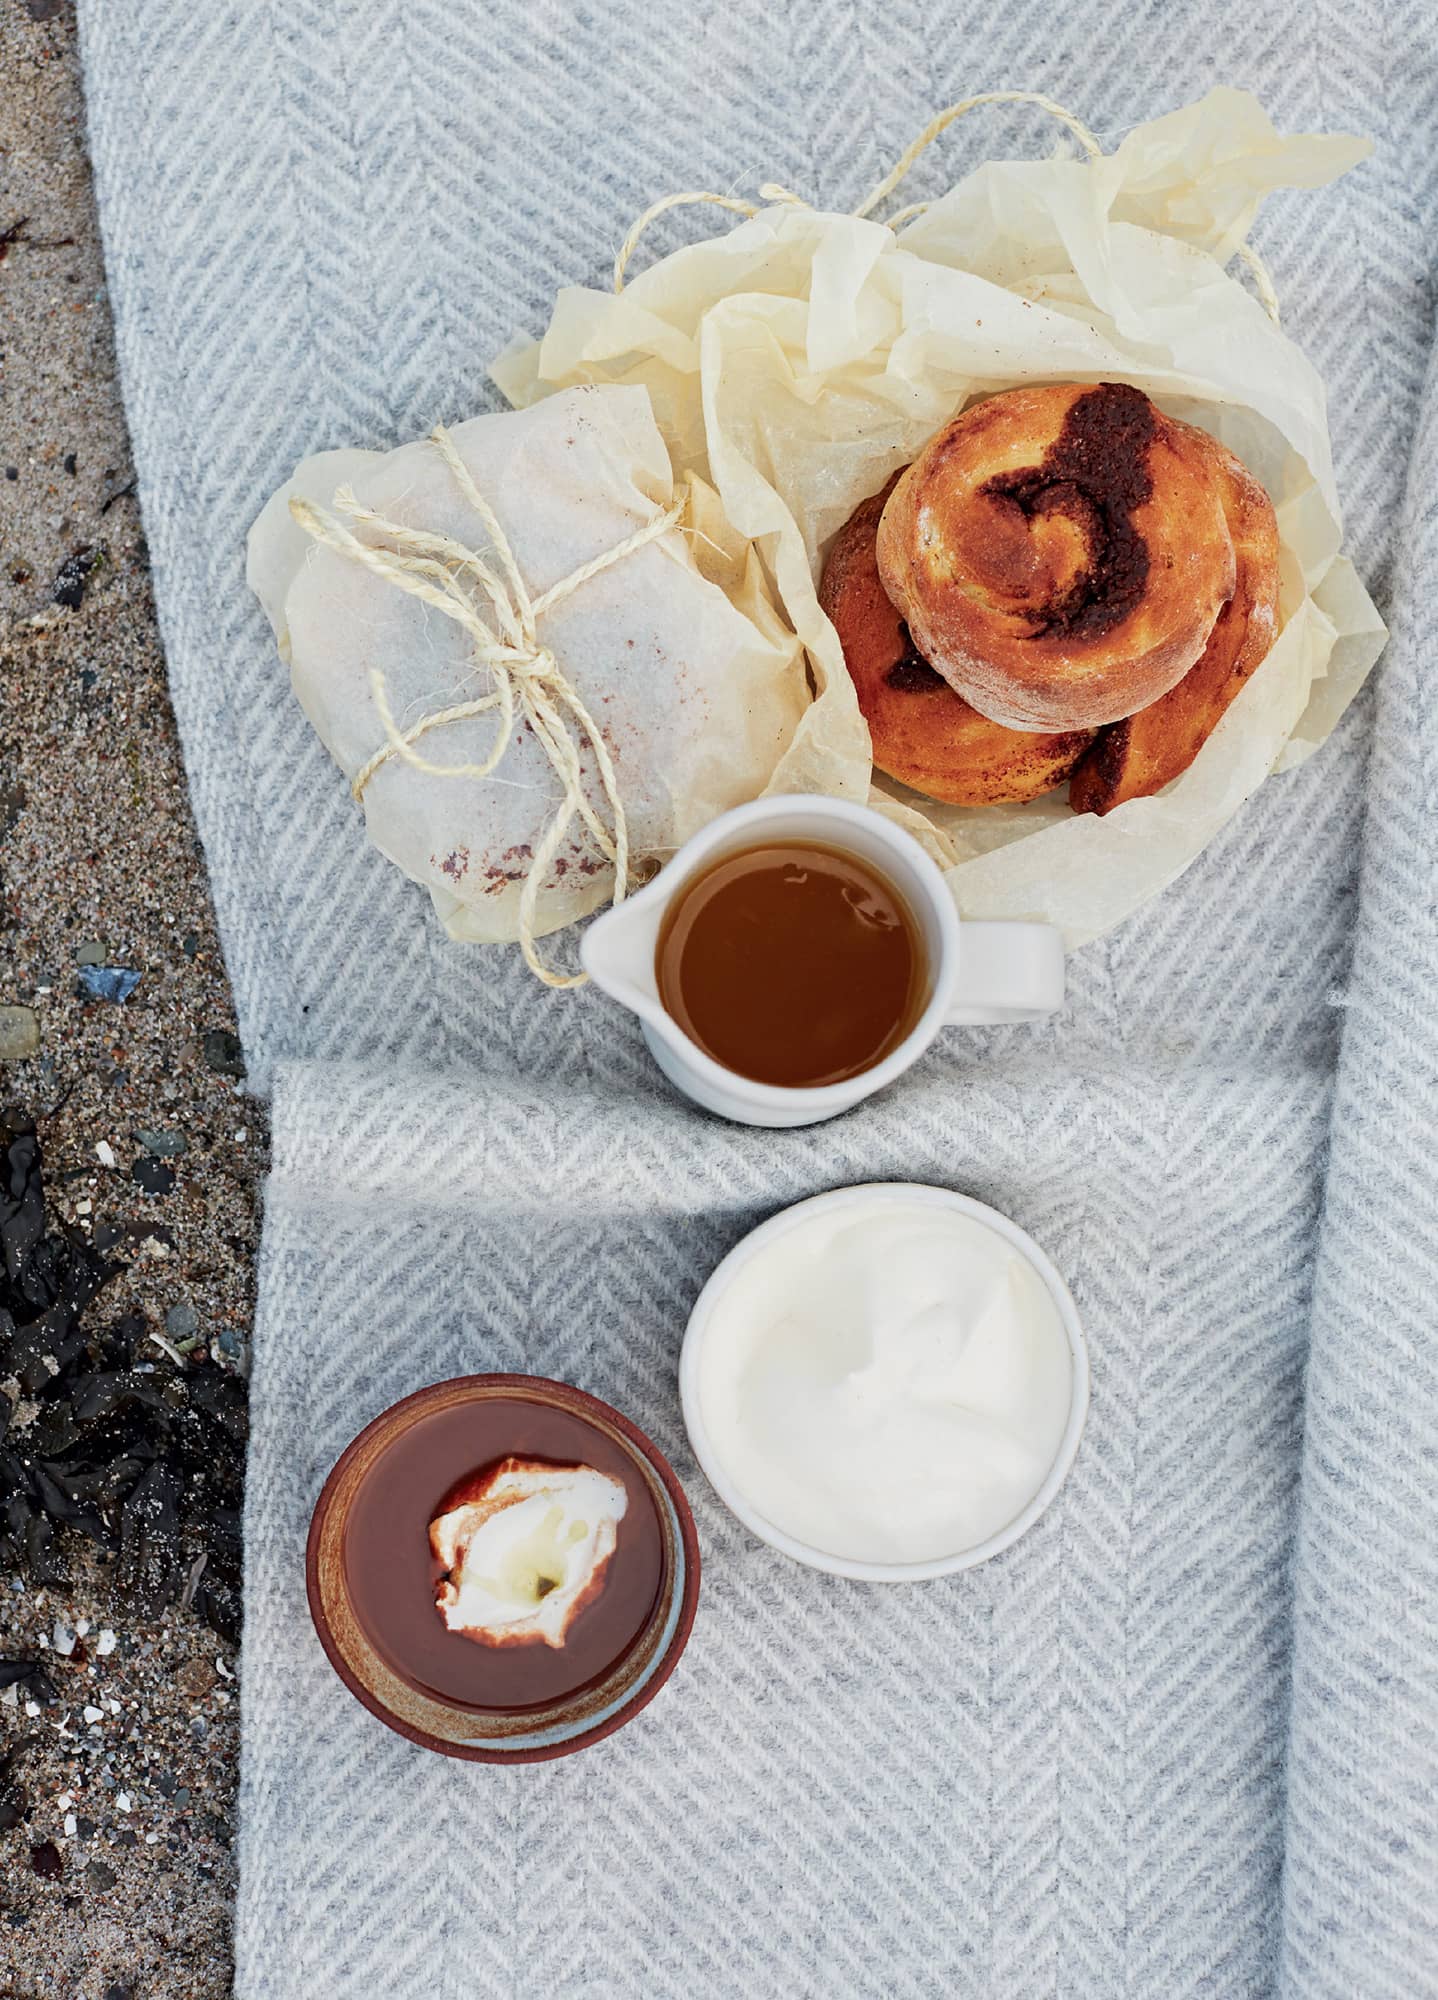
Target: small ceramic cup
pixel 530 1735
pixel 978 972
pixel 701 1320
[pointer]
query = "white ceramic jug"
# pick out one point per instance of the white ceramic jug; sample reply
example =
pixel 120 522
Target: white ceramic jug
pixel 978 972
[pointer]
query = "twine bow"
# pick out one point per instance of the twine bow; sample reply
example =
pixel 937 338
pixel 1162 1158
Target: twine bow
pixel 523 673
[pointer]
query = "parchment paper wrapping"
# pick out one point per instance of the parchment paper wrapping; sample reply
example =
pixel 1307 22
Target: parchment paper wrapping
pixel 694 682
pixel 799 360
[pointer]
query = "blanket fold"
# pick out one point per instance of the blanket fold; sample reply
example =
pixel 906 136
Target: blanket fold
pixel 1362 1836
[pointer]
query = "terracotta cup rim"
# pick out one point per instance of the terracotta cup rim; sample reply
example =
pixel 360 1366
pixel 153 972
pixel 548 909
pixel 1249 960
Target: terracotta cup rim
pixel 565 1395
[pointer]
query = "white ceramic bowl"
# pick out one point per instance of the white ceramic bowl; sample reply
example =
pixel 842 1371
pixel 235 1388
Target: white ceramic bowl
pixel 702 1317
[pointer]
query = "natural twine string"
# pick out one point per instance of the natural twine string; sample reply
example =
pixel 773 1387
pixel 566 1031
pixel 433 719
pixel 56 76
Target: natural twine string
pixel 523 673
pixel 900 171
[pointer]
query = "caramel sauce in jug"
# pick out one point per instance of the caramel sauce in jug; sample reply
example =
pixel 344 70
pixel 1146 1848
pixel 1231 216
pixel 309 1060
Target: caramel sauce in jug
pixel 792 963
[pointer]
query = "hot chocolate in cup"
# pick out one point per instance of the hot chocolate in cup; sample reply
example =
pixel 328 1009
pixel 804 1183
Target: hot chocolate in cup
pixel 503 1568
pixel 819 979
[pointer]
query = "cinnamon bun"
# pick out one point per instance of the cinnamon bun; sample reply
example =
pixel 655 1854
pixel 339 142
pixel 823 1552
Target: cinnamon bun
pixel 923 733
pixel 1060 554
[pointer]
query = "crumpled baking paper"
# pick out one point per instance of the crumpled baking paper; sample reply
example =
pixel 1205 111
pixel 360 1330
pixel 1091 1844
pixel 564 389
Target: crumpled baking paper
pixel 693 680
pixel 798 361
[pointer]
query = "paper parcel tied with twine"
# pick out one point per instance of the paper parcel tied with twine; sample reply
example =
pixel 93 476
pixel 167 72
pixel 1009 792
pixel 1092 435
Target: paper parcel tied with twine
pixel 541 664
pixel 800 360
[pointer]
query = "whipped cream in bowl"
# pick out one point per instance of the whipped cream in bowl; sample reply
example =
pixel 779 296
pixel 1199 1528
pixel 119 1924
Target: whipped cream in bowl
pixel 887 1382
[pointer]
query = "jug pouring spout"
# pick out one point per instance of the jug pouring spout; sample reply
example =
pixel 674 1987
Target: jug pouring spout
pixel 618 952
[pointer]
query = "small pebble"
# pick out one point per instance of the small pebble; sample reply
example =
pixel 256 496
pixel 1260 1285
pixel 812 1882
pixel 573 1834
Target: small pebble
pixel 223 1052
pixel 190 943
pixel 94 1714
pixel 68 588
pixel 63 1639
pixel 107 982
pixel 181 1321
pixel 45 1860
pixel 122 1802
pixel 164 1145
pixel 69 1826
pixel 229 1343
pixel 101 1876
pixel 105 1153
pixel 195 1678
pixel 91 952
pixel 152 1175
pixel 19 1033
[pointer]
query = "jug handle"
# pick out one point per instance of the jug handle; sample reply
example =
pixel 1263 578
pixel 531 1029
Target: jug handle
pixel 1007 972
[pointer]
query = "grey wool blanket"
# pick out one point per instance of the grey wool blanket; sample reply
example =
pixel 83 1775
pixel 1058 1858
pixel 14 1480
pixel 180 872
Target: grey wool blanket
pixel 1180 1741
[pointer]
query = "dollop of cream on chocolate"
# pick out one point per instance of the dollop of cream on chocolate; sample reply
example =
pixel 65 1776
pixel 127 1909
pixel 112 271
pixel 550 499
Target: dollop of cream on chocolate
pixel 525 1546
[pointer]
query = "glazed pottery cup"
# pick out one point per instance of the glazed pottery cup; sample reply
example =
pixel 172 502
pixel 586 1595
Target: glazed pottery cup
pixel 497 1736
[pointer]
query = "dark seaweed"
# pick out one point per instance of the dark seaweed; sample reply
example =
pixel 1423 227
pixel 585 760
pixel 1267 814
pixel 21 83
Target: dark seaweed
pixel 13 1798
pixel 122 1449
pixel 32 1680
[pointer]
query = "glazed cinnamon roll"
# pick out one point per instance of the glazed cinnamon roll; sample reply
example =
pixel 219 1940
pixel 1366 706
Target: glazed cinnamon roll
pixel 1060 554
pixel 1138 756
pixel 923 733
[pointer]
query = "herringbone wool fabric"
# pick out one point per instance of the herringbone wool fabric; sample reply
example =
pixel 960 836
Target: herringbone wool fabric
pixel 1149 1752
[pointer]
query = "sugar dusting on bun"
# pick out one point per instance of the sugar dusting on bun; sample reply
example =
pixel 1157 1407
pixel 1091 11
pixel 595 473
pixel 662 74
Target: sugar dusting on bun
pixel 1059 554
